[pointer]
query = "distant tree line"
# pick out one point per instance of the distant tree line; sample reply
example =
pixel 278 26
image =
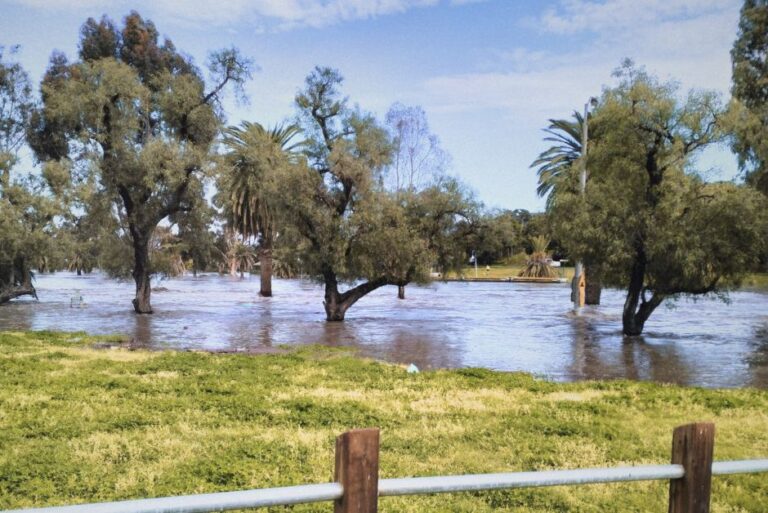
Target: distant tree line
pixel 130 137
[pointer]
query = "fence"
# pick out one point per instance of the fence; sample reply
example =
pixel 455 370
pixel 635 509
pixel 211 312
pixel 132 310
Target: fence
pixel 357 487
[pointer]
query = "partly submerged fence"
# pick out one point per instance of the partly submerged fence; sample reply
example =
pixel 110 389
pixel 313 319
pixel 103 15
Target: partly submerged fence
pixel 357 488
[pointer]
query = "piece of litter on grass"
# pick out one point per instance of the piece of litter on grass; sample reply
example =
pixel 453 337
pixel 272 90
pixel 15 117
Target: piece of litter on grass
pixel 412 369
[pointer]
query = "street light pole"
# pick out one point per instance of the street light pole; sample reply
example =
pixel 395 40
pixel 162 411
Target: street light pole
pixel 578 286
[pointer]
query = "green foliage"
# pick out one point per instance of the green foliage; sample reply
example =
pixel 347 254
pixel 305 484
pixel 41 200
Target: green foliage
pixel 354 229
pixel 537 265
pixel 749 116
pixel 248 185
pixel 132 120
pixel 27 211
pixel 83 425
pixel 647 220
pixel 558 161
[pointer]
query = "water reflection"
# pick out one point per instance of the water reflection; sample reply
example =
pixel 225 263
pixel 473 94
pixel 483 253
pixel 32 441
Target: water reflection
pixel 500 326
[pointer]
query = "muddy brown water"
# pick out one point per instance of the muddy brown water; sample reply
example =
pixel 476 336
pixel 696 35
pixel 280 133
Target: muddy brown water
pixel 503 326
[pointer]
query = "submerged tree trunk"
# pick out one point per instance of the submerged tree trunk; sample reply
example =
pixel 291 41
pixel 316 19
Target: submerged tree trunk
pixel 401 292
pixel 593 284
pixel 336 304
pixel 18 282
pixel 141 276
pixel 265 263
pixel 637 308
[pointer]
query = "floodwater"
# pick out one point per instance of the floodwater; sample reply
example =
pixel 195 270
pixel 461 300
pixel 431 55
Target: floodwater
pixel 503 326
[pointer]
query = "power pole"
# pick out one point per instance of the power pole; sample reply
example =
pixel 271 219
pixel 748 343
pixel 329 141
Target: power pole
pixel 578 285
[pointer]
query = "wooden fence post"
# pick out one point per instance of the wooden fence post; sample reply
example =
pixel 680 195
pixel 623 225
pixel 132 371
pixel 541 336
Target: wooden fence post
pixel 357 469
pixel 692 447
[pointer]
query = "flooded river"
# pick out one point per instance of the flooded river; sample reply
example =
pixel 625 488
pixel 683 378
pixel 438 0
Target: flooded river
pixel 503 326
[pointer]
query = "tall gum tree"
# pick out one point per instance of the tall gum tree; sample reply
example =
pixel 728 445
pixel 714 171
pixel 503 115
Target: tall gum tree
pixel 749 108
pixel 655 227
pixel 136 115
pixel 356 231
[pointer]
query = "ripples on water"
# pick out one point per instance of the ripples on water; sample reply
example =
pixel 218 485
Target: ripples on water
pixel 503 326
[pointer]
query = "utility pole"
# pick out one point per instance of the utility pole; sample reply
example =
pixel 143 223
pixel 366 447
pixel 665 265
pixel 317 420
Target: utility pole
pixel 578 285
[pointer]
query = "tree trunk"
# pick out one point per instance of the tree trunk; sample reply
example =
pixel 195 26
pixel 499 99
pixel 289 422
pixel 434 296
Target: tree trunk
pixel 265 259
pixel 336 304
pixel 232 266
pixel 401 292
pixel 593 284
pixel 19 283
pixel 141 275
pixel 637 308
pixel 79 271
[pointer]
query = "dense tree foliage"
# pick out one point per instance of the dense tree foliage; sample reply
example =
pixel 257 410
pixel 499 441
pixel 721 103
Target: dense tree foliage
pixel 27 211
pixel 750 93
pixel 133 118
pixel 656 228
pixel 355 229
pixel 249 184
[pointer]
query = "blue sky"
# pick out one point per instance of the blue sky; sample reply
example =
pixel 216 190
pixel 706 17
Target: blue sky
pixel 489 73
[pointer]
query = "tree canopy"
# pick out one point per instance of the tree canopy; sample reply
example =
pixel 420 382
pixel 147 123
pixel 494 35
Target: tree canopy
pixel 750 93
pixel 132 117
pixel 652 224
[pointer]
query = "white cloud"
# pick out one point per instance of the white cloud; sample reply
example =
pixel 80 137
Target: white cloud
pixel 274 14
pixel 688 41
pixel 572 16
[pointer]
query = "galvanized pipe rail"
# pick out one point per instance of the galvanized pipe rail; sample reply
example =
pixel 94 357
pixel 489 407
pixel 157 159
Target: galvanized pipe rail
pixel 357 487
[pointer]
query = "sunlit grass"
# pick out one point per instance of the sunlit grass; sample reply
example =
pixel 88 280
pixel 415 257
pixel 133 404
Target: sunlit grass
pixel 79 424
pixel 502 272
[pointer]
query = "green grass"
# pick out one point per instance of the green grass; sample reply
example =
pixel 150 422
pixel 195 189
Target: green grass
pixel 501 272
pixel 79 424
pixel 753 281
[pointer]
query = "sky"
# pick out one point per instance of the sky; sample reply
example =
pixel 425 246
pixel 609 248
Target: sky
pixel 488 73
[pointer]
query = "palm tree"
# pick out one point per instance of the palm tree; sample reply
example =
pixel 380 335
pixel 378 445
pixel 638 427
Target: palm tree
pixel 538 265
pixel 254 154
pixel 554 167
pixel 556 162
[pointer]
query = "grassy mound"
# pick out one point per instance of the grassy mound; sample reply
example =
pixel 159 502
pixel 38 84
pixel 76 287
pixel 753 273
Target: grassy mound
pixel 79 424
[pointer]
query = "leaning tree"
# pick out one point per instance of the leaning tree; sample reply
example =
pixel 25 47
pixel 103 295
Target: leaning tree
pixel 355 231
pixel 134 116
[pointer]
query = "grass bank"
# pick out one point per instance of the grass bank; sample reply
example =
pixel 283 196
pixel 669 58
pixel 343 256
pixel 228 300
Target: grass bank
pixel 81 424
pixel 756 281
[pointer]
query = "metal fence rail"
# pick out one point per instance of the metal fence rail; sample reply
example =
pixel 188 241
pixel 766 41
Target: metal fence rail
pixel 358 488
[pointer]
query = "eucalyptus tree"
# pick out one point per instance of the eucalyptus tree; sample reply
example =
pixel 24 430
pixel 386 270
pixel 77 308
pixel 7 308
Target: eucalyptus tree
pixel 356 231
pixel 555 165
pixel 416 174
pixel 750 92
pixel 27 211
pixel 446 216
pixel 248 185
pixel 418 159
pixel 655 227
pixel 134 118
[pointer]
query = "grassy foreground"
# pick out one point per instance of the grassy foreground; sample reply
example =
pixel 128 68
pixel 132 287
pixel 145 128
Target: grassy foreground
pixel 79 424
